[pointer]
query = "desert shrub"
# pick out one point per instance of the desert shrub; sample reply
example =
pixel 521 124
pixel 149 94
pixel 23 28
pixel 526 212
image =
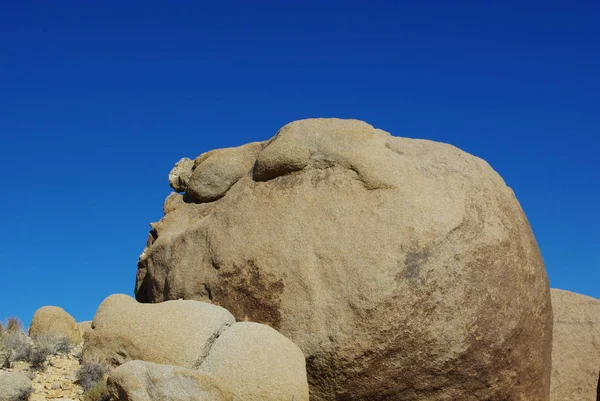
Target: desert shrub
pixel 47 344
pixel 90 373
pixel 15 346
pixel 92 376
pixel 53 343
pixel 37 358
pixel 97 392
pixel 13 325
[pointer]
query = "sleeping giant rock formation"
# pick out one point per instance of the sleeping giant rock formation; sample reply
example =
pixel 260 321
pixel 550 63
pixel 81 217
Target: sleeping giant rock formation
pixel 403 268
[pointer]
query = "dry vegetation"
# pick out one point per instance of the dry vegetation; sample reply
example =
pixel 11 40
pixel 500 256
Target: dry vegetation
pixel 17 346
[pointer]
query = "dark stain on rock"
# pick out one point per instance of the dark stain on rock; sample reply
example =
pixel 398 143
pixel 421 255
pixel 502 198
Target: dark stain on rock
pixel 207 291
pixel 413 262
pixel 249 294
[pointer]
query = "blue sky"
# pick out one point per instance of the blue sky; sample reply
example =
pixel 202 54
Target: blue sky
pixel 99 99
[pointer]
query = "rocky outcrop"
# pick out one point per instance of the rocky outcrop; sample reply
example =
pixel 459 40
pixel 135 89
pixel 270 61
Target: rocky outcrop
pixel 14 386
pixel 404 269
pixel 145 381
pixel 258 364
pixel 54 320
pixel 576 347
pixel 173 333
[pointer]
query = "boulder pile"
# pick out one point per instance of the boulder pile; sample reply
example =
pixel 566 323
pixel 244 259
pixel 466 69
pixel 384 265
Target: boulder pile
pixel 192 347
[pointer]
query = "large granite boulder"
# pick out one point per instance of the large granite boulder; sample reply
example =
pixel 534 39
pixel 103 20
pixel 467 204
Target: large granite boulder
pixel 172 333
pixel 54 320
pixel 146 381
pixel 575 348
pixel 404 269
pixel 258 364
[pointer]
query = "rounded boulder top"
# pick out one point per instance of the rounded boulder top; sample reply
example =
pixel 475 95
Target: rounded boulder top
pixel 54 320
pixel 403 268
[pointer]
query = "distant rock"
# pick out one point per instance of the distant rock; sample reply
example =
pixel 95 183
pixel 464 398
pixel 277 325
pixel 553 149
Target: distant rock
pixel 84 328
pixel 576 347
pixel 14 386
pixel 145 381
pixel 52 319
pixel 258 364
pixel 404 269
pixel 173 333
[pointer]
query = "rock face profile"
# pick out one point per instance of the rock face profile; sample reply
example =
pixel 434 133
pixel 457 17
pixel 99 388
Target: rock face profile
pixel 55 320
pixel 576 347
pixel 404 269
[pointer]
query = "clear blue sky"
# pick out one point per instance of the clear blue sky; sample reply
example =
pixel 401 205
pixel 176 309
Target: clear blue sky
pixel 99 99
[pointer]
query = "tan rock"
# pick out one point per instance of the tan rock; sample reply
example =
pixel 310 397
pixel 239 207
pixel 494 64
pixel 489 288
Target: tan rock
pixel 145 381
pixel 55 320
pixel 179 176
pixel 84 328
pixel 575 348
pixel 217 171
pixel 258 364
pixel 404 269
pixel 174 333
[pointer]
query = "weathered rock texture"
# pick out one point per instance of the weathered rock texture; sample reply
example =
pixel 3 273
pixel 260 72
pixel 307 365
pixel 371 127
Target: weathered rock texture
pixel 404 269
pixel 258 364
pixel 14 386
pixel 173 333
pixel 52 319
pixel 576 347
pixel 145 381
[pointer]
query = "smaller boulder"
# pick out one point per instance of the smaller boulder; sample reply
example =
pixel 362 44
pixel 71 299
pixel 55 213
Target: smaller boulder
pixel 215 172
pixel 258 364
pixel 179 176
pixel 14 386
pixel 172 333
pixel 54 320
pixel 146 381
